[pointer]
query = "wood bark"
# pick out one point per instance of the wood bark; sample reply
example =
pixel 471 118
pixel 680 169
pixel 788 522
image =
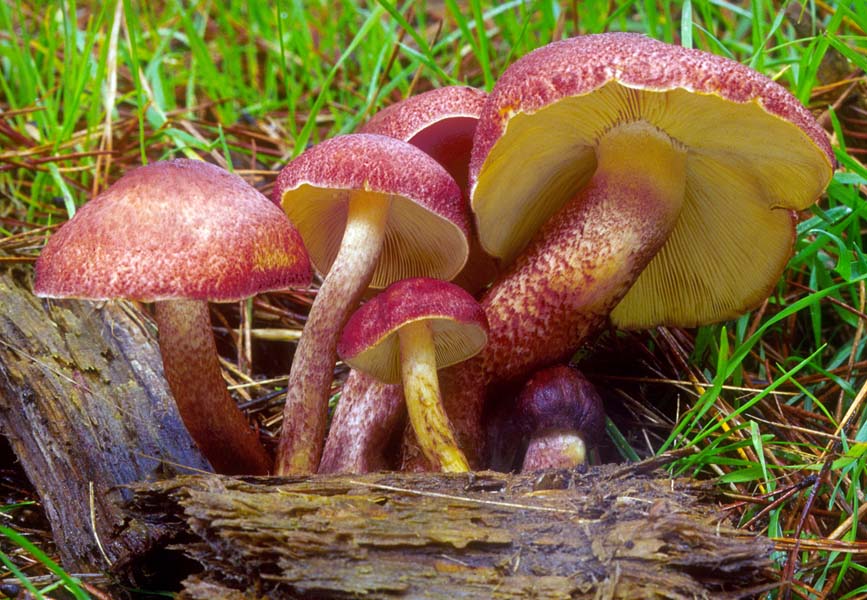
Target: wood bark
pixel 86 409
pixel 611 532
pixel 88 413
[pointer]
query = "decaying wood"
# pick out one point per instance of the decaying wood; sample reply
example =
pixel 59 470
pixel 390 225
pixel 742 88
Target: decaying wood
pixel 86 409
pixel 613 532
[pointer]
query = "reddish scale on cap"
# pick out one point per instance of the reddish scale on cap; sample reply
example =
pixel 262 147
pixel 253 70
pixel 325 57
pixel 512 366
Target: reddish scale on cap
pixel 582 64
pixel 174 229
pixel 408 117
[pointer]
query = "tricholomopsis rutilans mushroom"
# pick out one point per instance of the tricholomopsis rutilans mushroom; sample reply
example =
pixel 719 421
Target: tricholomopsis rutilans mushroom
pixel 371 210
pixel 629 179
pixel 182 233
pixel 442 122
pixel 405 334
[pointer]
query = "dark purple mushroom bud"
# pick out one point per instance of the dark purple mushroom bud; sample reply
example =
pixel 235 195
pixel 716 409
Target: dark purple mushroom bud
pixel 558 413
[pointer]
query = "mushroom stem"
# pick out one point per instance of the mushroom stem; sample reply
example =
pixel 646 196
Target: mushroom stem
pixel 423 401
pixel 365 420
pixel 554 450
pixel 306 411
pixel 583 261
pixel 192 369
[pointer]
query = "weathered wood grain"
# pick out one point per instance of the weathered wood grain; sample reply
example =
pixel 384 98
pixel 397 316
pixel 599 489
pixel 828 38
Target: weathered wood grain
pixel 613 532
pixel 86 409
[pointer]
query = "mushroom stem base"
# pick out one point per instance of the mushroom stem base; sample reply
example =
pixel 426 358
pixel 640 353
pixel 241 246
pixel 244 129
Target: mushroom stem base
pixel 554 450
pixel 192 369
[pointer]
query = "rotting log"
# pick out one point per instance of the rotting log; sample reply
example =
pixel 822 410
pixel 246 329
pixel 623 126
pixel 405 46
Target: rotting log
pixel 610 532
pixel 86 409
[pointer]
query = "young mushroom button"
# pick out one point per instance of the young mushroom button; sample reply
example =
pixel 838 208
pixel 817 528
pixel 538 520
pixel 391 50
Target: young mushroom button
pixel 558 414
pixel 182 233
pixel 372 210
pixel 406 333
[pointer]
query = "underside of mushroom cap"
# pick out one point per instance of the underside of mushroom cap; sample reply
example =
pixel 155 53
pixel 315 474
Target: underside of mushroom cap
pixel 753 154
pixel 174 229
pixel 428 225
pixel 370 342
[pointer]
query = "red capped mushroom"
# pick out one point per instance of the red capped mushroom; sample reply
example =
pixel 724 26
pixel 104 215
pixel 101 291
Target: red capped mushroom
pixel 372 210
pixel 442 122
pixel 661 192
pixel 629 179
pixel 182 233
pixel 405 334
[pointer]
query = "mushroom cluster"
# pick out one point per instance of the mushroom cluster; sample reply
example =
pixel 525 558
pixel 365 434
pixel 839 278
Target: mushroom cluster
pixel 605 178
pixel 616 178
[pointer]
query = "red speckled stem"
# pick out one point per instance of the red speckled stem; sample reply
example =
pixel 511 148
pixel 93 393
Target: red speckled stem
pixel 192 369
pixel 306 411
pixel 584 260
pixel 364 422
pixel 554 450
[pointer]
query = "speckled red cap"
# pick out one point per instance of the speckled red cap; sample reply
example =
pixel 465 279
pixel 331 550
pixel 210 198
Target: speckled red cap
pixel 370 344
pixel 752 149
pixel 405 119
pixel 428 225
pixel 174 229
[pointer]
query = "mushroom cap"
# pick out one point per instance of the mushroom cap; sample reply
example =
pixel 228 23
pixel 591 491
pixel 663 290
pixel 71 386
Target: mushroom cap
pixel 428 225
pixel 559 398
pixel 370 342
pixel 753 154
pixel 174 229
pixel 441 122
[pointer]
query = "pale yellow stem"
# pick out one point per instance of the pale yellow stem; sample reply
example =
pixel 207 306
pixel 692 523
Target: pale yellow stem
pixel 424 405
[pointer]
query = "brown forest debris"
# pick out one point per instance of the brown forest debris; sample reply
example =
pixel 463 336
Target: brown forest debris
pixel 613 532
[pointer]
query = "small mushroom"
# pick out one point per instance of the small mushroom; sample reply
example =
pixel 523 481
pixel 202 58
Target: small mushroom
pixel 441 122
pixel 405 334
pixel 371 210
pixel 182 233
pixel 558 414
